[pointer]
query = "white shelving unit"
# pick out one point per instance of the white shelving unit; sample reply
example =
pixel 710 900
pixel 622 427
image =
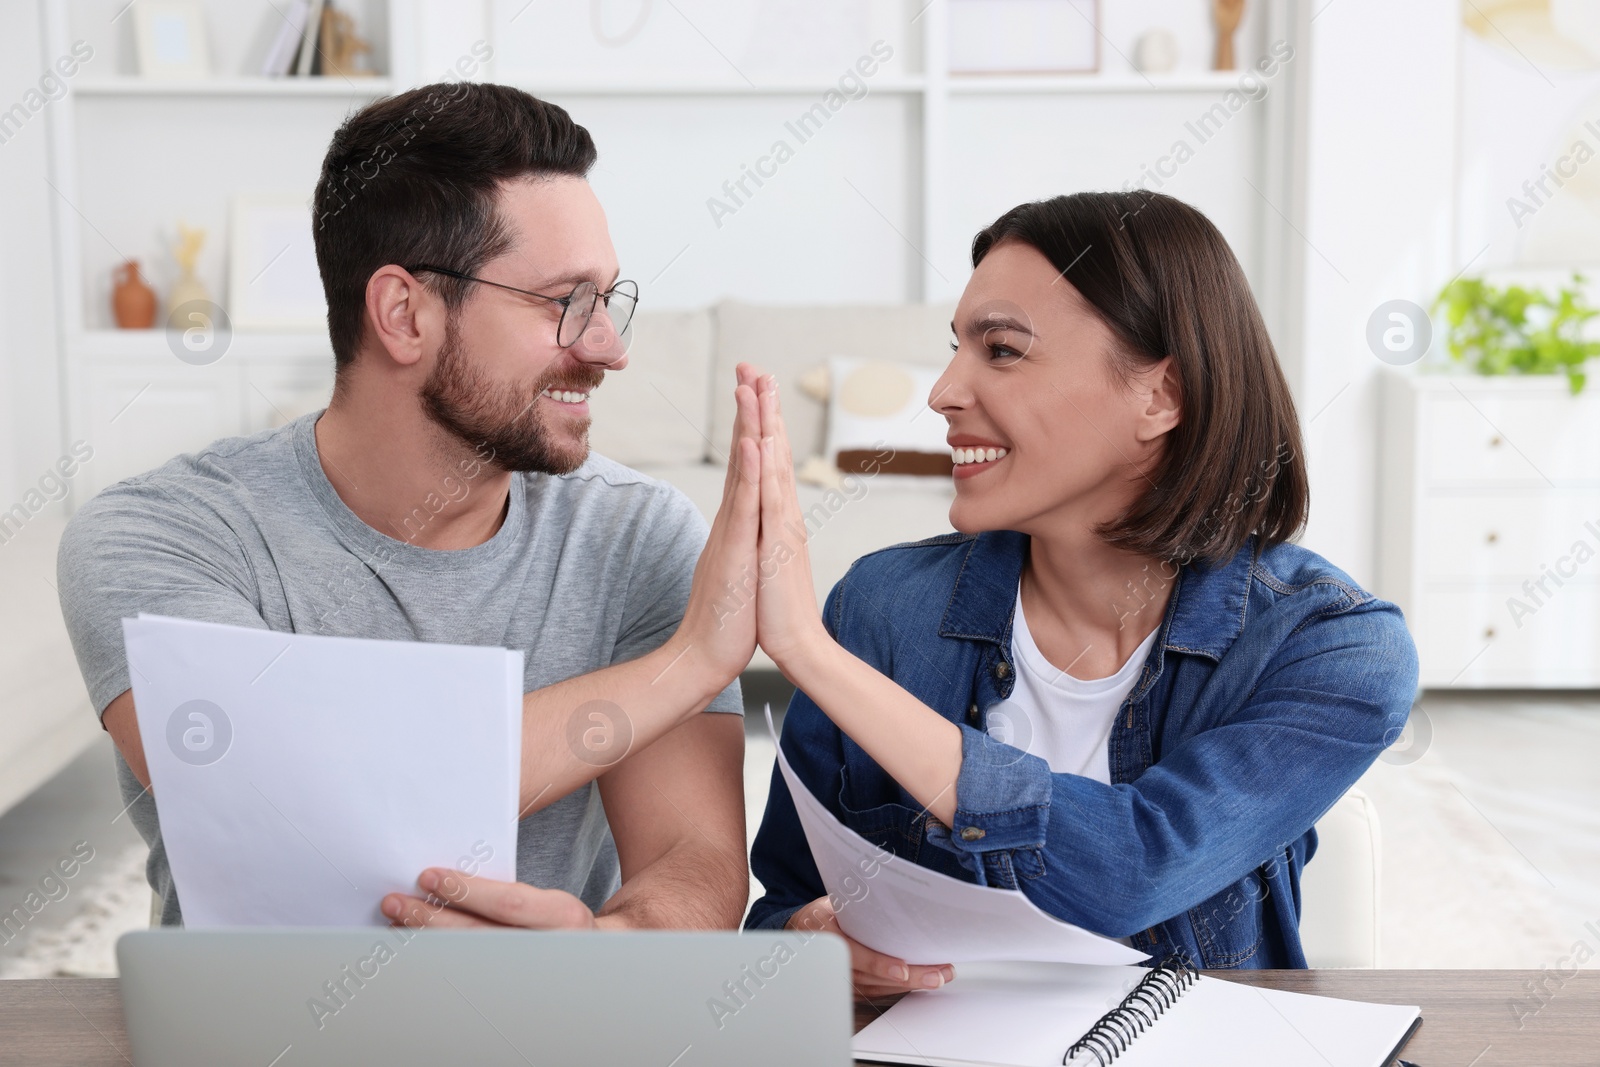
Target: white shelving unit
pixel 698 87
pixel 127 394
pixel 236 85
pixel 1102 84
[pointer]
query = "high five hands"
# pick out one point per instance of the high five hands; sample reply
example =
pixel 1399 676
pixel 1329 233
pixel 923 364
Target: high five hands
pixel 787 620
pixel 753 582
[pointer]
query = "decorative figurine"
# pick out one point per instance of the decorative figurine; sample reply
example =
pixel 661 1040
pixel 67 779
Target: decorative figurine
pixel 187 252
pixel 1227 14
pixel 341 45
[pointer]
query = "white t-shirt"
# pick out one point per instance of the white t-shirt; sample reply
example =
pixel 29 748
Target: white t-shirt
pixel 1066 721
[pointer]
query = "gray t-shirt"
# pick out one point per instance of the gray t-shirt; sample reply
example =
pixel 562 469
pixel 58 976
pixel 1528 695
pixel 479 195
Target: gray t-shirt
pixel 588 569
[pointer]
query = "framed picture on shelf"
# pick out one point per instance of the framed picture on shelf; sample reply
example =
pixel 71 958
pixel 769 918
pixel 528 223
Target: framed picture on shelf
pixel 273 282
pixel 171 36
pixel 1024 36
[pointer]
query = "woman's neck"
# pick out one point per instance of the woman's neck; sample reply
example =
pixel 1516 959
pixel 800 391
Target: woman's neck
pixel 1089 605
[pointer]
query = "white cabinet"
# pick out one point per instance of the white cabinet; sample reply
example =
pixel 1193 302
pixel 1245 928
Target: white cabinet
pixel 137 405
pixel 138 416
pixel 1489 528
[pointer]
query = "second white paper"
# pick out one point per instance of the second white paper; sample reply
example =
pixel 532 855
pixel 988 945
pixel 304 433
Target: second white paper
pixel 299 778
pixel 924 917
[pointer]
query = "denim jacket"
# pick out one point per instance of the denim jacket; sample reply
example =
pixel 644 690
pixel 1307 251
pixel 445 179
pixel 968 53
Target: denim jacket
pixel 1274 682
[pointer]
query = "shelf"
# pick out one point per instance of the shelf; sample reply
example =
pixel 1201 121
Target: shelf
pixel 956 85
pixel 152 344
pixel 242 85
pixel 816 85
pixel 1209 81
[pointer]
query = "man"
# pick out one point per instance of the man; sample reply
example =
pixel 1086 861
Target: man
pixel 447 494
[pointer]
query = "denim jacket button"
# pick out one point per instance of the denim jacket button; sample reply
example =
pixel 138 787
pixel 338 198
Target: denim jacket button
pixel 972 833
pixel 1002 670
pixel 972 715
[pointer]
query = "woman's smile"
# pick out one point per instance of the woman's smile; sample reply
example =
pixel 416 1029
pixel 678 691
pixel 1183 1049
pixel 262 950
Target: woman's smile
pixel 972 457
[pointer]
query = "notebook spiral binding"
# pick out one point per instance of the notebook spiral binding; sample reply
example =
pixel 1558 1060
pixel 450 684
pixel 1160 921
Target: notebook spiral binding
pixel 1114 1032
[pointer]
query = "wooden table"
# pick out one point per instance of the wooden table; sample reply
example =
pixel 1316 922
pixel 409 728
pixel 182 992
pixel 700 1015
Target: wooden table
pixel 1467 1016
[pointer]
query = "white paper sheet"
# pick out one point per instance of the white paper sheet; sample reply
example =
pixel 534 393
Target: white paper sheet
pixel 921 916
pixel 299 778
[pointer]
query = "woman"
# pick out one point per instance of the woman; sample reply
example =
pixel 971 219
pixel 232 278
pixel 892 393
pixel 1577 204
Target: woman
pixel 1184 692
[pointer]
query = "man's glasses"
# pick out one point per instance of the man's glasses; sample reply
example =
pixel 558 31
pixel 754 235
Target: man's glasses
pixel 577 307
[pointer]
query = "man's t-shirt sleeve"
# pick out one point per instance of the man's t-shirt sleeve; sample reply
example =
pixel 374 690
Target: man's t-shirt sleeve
pixel 658 587
pixel 137 547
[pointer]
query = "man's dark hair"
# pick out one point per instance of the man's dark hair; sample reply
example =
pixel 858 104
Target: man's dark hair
pixel 1164 280
pixel 413 179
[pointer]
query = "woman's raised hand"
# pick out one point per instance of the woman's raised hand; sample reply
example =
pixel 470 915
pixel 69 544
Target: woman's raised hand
pixel 786 604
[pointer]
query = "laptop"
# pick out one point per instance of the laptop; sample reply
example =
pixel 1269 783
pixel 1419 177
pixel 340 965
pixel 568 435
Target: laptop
pixel 302 997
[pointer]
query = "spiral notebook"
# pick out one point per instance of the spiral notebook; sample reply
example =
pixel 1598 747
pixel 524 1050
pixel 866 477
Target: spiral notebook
pixel 1045 1014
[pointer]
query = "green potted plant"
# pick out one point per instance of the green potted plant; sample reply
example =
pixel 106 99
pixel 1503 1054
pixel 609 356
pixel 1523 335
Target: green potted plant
pixel 1514 329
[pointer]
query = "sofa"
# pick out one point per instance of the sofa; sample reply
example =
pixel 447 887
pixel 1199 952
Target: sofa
pixel 48 721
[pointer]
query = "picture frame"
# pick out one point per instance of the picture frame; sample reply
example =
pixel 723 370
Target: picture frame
pixel 273 281
pixel 171 39
pixel 1011 37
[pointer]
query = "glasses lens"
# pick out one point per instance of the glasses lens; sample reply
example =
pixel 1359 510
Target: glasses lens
pixel 620 304
pixel 580 305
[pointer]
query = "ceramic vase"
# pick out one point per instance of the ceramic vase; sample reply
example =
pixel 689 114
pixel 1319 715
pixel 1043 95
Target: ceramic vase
pixel 133 303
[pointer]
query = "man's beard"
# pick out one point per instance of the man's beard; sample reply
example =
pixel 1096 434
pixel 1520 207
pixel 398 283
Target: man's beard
pixel 501 423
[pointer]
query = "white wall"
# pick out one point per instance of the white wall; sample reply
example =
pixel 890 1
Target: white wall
pixel 1378 225
pixel 30 405
pixel 1002 152
pixel 806 236
pixel 1530 138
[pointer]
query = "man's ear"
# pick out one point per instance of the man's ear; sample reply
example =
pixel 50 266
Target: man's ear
pixel 404 317
pixel 1161 399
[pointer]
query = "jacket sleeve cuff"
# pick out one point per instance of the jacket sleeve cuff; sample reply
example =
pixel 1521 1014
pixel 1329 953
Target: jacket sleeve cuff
pixel 1002 796
pixel 774 920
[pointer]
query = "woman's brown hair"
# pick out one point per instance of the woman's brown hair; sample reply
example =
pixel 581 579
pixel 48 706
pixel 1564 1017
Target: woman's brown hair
pixel 1165 281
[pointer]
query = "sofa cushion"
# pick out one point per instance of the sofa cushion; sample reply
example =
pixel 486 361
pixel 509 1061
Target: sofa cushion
pixel 789 341
pixel 878 417
pixel 655 410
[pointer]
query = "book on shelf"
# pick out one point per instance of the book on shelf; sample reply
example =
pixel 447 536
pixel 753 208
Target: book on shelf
pixel 305 62
pixel 281 56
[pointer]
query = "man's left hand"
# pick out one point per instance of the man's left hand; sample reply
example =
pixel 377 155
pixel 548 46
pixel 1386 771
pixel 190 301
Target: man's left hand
pixel 461 901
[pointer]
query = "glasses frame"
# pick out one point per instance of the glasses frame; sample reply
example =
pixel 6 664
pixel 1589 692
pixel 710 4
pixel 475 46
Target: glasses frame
pixel 564 301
